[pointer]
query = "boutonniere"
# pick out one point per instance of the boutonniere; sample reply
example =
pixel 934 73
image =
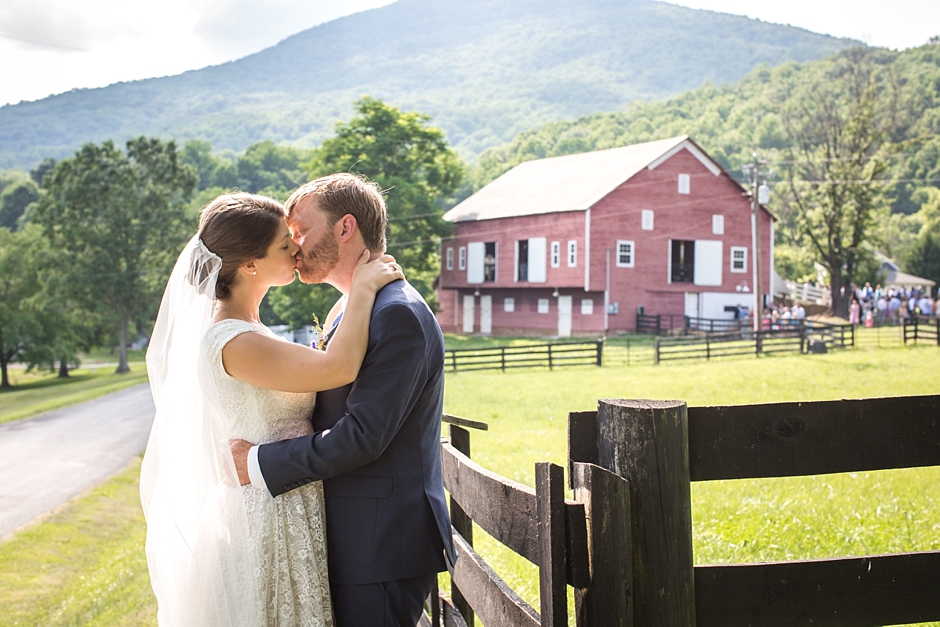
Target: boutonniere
pixel 319 335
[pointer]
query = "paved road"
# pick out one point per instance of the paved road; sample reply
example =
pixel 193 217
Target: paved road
pixel 49 459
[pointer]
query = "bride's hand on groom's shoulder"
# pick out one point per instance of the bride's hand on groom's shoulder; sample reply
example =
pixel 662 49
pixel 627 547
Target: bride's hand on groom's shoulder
pixel 376 274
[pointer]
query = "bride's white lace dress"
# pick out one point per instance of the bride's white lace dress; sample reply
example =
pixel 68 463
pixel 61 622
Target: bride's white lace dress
pixel 287 534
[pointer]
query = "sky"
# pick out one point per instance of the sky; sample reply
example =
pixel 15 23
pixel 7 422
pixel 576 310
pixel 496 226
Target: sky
pixel 52 46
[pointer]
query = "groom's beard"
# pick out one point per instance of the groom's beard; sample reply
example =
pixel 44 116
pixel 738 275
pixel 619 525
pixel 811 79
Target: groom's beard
pixel 315 265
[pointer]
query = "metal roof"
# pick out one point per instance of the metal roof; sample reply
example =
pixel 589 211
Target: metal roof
pixel 569 183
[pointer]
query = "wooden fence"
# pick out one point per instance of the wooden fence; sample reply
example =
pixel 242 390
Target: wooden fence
pixel 660 324
pixel 549 355
pixel 795 338
pixel 625 542
pixel 922 330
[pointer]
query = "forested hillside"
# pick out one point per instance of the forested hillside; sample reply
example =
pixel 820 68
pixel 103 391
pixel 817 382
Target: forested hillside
pixel 734 121
pixel 483 69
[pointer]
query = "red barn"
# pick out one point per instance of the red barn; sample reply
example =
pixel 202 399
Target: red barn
pixel 574 245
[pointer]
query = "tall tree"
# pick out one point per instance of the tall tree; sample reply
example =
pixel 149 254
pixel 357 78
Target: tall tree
pixel 119 219
pixel 840 124
pixel 266 167
pixel 14 200
pixel 412 161
pixel 20 328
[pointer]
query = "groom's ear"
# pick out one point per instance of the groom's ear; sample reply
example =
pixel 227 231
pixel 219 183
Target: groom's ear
pixel 346 227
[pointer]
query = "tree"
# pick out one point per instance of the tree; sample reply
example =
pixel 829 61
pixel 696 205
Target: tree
pixel 40 171
pixel 413 162
pixel 212 170
pixel 270 168
pixel 924 258
pixel 839 125
pixel 119 220
pixel 14 200
pixel 20 328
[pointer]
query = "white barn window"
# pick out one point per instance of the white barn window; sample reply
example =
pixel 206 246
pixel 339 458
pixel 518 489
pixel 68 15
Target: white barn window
pixel 738 259
pixel 685 184
pixel 462 258
pixel 450 258
pixel 543 306
pixel 718 225
pixel 572 253
pixel 587 306
pixel 509 305
pixel 646 220
pixel 556 254
pixel 624 253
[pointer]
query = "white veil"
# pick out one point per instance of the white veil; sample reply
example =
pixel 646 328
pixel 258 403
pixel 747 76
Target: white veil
pixel 197 525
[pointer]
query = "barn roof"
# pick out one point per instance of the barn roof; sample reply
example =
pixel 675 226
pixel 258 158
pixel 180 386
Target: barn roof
pixel 569 183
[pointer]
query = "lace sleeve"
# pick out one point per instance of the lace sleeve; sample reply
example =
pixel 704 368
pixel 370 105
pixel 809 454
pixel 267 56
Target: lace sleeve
pixel 220 334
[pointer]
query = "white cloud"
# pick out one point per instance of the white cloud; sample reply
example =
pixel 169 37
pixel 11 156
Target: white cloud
pixel 52 46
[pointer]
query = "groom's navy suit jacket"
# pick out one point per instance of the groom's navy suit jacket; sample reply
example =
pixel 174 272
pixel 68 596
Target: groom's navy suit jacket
pixel 377 449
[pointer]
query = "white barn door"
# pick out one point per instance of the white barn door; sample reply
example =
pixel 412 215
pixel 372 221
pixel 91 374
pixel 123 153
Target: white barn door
pixel 476 254
pixel 469 304
pixel 486 315
pixel 537 258
pixel 708 262
pixel 564 316
pixel 691 304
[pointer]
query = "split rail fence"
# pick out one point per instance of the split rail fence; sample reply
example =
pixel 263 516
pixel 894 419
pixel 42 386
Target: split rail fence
pixel 625 542
pixel 550 355
pixel 796 338
pixel 922 330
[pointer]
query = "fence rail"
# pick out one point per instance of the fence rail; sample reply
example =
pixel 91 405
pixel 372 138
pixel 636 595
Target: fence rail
pixel 922 330
pixel 550 355
pixel 661 447
pixel 625 542
pixel 792 338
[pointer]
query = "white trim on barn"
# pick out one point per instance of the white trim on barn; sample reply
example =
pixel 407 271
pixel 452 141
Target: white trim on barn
pixel 713 167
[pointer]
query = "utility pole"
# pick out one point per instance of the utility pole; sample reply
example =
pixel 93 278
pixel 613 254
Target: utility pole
pixel 755 206
pixel 759 194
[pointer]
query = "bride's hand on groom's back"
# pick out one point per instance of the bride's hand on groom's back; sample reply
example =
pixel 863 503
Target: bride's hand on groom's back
pixel 376 274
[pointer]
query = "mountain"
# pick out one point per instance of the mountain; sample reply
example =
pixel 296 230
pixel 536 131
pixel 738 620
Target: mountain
pixel 484 69
pixel 731 121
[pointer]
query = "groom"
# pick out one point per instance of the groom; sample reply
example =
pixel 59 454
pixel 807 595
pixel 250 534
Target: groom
pixel 377 441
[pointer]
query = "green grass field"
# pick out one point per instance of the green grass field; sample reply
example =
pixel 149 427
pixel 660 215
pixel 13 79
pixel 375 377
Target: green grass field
pixel 64 572
pixel 37 392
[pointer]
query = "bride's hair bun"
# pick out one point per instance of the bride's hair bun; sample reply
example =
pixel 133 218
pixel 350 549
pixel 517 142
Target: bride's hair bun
pixel 237 228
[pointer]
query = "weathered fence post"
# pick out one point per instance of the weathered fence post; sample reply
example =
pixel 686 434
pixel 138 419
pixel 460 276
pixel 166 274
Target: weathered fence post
pixel 656 350
pixel 708 349
pixel 503 359
pixel 608 602
pixel 460 440
pixel 600 353
pixel 659 324
pixel 453 357
pixel 550 357
pixel 646 443
pixel 550 498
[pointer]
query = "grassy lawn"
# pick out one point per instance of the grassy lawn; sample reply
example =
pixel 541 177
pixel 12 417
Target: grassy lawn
pixel 85 565
pixel 37 392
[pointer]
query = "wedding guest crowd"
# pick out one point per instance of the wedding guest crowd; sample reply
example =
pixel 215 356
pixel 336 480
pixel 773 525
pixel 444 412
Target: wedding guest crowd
pixel 880 306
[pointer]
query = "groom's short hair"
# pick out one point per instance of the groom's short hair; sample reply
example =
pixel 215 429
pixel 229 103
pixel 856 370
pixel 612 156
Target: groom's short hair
pixel 341 194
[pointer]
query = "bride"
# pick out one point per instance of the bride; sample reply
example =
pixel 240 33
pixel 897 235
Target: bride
pixel 220 554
